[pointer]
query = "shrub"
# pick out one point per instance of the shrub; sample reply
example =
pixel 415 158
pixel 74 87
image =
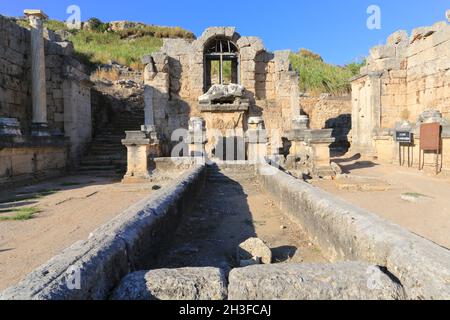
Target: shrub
pixel 316 76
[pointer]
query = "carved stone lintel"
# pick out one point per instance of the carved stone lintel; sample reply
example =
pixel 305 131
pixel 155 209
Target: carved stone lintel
pixel 238 105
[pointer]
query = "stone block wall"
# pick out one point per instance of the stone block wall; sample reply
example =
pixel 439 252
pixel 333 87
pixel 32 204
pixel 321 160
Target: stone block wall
pixel 408 75
pixel 29 163
pixel 330 112
pixel 15 74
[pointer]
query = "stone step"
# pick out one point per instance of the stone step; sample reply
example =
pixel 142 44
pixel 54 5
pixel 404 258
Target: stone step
pixel 104 163
pixel 98 168
pixel 115 138
pixel 98 144
pixel 109 157
pixel 96 163
pixel 102 174
pixel 105 153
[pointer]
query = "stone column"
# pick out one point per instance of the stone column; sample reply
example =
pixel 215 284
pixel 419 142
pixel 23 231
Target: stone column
pixel 296 136
pixel 149 122
pixel 149 127
pixel 39 125
pixel 256 137
pixel 295 99
pixel 138 144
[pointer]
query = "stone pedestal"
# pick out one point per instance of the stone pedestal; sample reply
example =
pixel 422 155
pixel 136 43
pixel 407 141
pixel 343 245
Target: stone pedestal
pixel 318 142
pixel 197 138
pixel 300 122
pixel 138 147
pixel 256 138
pixel 298 153
pixel 39 126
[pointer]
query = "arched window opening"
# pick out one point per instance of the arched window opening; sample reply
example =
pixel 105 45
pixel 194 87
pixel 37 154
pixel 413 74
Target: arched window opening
pixel 221 63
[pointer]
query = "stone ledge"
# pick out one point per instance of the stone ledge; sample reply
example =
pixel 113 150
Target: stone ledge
pixel 340 281
pixel 127 243
pixel 173 284
pixel 240 106
pixel 346 232
pixel 33 142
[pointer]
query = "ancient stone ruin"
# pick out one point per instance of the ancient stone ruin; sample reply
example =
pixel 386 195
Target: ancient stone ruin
pixel 405 82
pixel 227 152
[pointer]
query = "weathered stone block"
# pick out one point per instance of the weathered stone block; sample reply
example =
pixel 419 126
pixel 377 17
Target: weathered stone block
pixel 398 38
pixel 342 281
pixel 173 284
pixel 382 52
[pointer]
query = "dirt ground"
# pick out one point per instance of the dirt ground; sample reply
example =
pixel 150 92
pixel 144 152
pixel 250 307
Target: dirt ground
pixel 70 209
pixel 418 201
pixel 231 209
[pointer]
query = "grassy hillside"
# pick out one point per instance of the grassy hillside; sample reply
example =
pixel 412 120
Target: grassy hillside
pixel 317 76
pixel 98 45
pixel 98 48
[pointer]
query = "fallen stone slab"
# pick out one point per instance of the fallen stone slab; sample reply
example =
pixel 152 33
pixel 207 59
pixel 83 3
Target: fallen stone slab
pixel 254 249
pixel 173 284
pixel 341 281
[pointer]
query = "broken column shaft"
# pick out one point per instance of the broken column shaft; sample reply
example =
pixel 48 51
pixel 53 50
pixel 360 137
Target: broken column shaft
pixel 256 137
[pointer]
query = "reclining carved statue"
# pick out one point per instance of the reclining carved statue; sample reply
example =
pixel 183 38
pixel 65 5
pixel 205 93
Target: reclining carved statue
pixel 221 93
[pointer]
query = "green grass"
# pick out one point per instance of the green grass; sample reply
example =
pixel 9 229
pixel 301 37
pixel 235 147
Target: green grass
pixel 30 195
pixel 317 76
pixel 126 47
pixel 415 195
pixel 100 48
pixel 22 214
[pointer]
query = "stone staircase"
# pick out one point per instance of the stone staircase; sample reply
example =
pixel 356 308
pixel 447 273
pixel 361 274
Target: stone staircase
pixel 107 156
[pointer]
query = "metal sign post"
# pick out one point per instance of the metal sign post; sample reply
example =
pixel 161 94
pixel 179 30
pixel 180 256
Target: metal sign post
pixel 405 144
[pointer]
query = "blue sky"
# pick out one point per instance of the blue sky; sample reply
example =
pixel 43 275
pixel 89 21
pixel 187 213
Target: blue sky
pixel 335 29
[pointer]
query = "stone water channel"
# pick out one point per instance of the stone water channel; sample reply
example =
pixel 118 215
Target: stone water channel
pixel 181 243
pixel 231 209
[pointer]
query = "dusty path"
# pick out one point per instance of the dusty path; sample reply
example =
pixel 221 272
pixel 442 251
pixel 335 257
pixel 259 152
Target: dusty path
pixel 428 217
pixel 72 207
pixel 231 209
